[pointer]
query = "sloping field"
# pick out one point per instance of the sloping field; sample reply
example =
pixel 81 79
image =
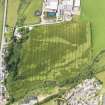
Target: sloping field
pixel 53 53
pixel 94 11
pixel 54 47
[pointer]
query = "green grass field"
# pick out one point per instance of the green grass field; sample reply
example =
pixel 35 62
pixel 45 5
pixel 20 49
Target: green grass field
pixel 52 102
pixel 12 12
pixel 100 65
pixel 28 9
pixel 93 11
pixel 101 76
pixel 23 8
pixel 52 53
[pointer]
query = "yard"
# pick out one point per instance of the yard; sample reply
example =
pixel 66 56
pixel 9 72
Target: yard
pixel 95 13
pixel 51 56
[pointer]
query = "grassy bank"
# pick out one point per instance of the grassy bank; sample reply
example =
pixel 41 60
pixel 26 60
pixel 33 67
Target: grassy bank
pixel 94 12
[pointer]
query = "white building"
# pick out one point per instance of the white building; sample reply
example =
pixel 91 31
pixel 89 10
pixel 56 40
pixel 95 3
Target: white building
pixel 51 5
pixel 17 34
pixel 76 8
pixel 68 4
pixel 67 7
pixel 77 3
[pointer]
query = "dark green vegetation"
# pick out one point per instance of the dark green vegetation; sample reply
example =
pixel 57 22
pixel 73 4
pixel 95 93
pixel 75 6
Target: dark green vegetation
pixel 47 58
pixel 23 12
pixel 94 12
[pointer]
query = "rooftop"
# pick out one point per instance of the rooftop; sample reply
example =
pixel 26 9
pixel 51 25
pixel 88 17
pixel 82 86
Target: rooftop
pixel 51 4
pixel 77 3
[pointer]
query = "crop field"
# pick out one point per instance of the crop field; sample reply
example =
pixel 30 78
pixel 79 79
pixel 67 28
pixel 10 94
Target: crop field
pixel 95 13
pixel 52 53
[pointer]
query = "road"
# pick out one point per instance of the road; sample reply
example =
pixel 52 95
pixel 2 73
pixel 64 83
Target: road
pixel 40 24
pixel 4 24
pixel 2 53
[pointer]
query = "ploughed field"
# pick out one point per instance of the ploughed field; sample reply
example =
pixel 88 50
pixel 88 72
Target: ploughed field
pixel 51 55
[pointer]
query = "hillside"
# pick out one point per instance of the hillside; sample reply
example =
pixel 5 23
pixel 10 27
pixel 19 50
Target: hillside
pixel 52 55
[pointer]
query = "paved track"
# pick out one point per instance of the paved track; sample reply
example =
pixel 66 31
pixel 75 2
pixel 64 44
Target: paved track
pixel 2 66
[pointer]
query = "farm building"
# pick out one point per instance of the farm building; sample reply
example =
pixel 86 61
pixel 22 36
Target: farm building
pixel 65 9
pixel 76 8
pixel 62 9
pixel 51 7
pixel 68 5
pixel 77 3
